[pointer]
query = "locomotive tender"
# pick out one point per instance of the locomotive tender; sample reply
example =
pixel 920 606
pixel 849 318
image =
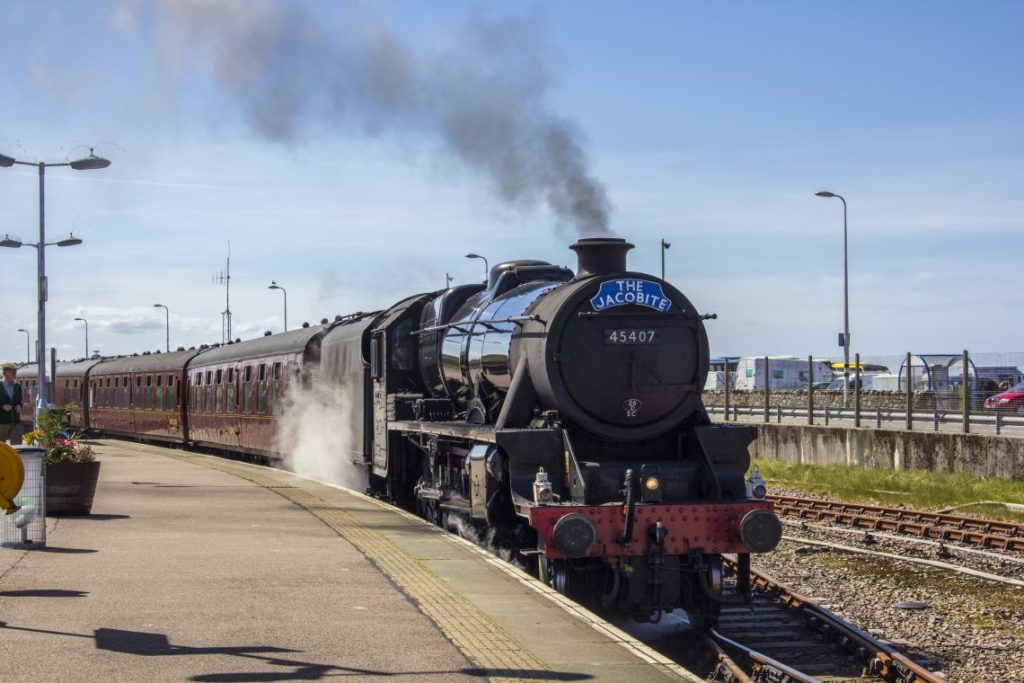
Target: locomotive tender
pixel 558 410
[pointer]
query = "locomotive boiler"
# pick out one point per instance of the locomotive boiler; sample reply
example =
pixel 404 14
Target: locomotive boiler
pixel 562 409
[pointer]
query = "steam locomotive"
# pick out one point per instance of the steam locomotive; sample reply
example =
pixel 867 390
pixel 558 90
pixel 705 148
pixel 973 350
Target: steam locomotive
pixel 560 411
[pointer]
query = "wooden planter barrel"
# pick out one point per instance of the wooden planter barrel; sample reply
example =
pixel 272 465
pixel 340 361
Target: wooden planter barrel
pixel 70 487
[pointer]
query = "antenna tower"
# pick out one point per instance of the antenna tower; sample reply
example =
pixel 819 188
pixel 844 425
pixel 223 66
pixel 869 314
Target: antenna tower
pixel 224 278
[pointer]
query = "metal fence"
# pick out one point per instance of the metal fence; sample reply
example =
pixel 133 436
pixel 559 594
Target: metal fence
pixel 939 392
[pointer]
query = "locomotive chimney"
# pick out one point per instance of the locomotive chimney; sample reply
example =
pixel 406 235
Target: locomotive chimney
pixel 600 255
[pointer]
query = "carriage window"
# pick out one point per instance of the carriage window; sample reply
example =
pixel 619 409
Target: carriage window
pixel 275 397
pixel 158 397
pixel 248 373
pixel 108 381
pixel 277 371
pixel 262 372
pixel 170 380
pixel 220 396
pixel 138 380
pixel 231 374
pixel 219 376
pixel 261 397
pixel 149 380
pixel 232 405
pixel 159 380
pixel 76 384
pixel 209 376
pixel 247 397
pixel 198 381
pixel 67 383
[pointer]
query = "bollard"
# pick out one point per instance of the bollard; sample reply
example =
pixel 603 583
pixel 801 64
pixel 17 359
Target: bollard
pixel 936 420
pixel 826 416
pixel 778 414
pixel 999 423
pixel 878 418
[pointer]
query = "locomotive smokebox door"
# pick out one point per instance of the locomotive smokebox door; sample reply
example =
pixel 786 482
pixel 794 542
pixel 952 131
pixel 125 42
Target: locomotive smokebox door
pixel 622 354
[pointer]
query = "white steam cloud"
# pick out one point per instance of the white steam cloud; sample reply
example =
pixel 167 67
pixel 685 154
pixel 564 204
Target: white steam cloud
pixel 314 437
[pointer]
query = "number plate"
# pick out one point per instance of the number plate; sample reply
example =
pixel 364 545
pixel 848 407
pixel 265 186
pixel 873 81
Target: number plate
pixel 631 337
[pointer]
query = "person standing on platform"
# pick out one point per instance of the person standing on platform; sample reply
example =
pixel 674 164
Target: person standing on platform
pixel 10 405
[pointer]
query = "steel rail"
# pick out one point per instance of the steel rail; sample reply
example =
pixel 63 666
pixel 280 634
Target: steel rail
pixel 886 662
pixel 761 661
pixel 984 533
pixel 727 671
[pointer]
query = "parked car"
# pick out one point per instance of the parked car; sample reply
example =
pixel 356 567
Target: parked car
pixel 1011 400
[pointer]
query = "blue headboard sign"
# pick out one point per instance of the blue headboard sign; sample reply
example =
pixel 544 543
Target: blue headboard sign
pixel 631 291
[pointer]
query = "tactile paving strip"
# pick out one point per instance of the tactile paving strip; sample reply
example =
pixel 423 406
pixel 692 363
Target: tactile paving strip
pixel 476 636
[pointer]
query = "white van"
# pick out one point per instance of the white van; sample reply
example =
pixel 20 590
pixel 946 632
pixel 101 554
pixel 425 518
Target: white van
pixel 786 372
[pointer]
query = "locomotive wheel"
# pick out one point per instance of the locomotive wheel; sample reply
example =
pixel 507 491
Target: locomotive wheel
pixel 704 611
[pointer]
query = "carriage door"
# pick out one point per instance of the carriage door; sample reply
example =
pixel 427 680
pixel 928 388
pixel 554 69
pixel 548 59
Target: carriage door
pixel 380 402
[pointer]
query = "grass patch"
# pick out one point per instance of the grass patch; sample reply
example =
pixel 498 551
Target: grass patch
pixel 911 488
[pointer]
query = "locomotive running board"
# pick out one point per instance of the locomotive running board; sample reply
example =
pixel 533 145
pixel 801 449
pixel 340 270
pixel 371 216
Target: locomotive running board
pixel 456 429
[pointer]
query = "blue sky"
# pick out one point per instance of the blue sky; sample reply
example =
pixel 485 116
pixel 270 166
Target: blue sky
pixel 708 124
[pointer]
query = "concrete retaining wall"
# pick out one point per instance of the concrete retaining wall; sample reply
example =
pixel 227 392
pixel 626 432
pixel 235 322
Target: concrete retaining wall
pixel 994 457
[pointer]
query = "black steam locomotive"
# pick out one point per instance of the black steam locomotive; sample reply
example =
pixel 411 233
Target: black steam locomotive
pixel 569 404
pixel 560 412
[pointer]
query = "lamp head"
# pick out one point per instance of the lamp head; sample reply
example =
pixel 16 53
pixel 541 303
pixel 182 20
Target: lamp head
pixel 90 162
pixel 22 329
pixel 273 285
pixel 9 241
pixel 69 241
pixel 82 319
pixel 473 256
pixel 6 161
pixel 825 193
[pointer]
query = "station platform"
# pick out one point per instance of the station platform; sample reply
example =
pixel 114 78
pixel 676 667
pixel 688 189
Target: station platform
pixel 197 568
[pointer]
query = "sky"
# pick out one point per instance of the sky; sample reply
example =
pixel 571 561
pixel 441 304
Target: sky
pixel 354 152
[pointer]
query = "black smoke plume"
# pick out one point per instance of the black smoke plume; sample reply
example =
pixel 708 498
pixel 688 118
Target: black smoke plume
pixel 482 95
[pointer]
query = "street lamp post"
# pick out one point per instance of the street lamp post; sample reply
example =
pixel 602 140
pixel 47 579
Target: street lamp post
pixel 664 247
pixel 487 267
pixel 88 163
pixel 846 302
pixel 274 285
pixel 28 343
pixel 86 335
pixel 167 311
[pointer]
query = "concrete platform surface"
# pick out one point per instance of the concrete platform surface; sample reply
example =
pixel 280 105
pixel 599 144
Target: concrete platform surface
pixel 196 568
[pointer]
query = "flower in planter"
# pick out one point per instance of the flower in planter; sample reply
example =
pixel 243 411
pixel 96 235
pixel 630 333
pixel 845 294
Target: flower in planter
pixel 60 446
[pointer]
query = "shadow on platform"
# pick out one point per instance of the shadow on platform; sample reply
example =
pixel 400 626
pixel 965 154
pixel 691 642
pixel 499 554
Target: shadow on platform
pixel 158 645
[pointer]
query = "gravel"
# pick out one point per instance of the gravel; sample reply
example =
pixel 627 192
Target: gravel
pixel 969 628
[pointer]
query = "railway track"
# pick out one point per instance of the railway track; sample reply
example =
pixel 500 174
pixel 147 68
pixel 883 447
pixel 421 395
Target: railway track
pixel 984 533
pixel 785 637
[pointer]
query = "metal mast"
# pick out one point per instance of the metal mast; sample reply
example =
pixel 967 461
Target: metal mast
pixel 224 278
